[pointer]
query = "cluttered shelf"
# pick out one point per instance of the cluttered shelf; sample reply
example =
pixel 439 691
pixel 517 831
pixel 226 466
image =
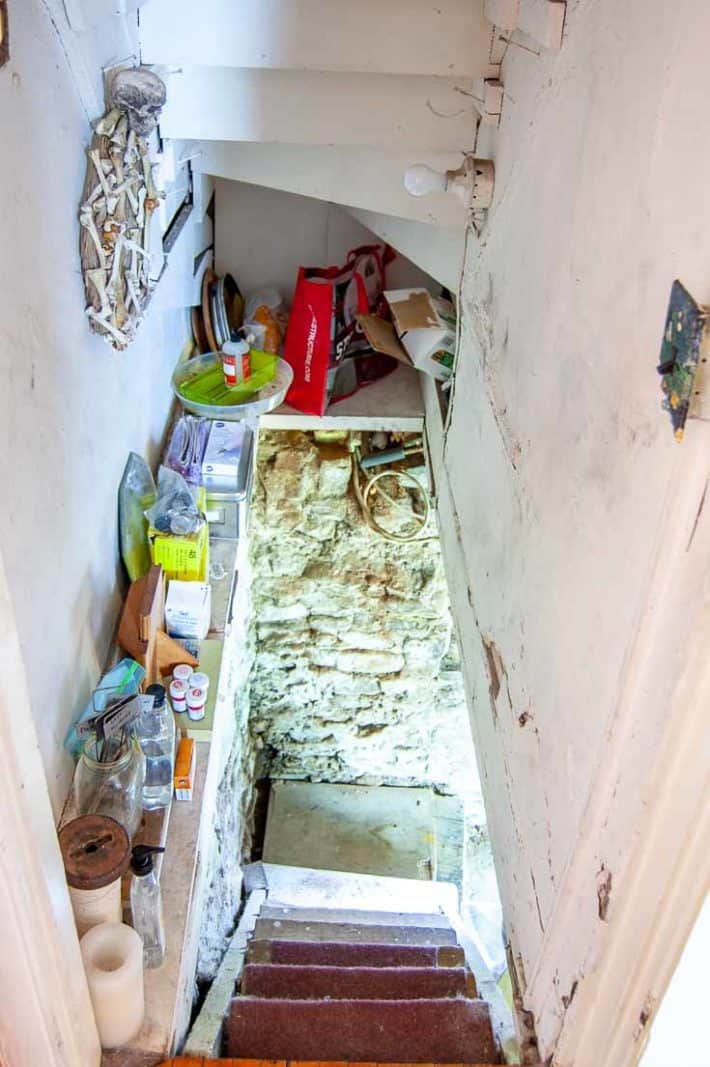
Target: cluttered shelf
pixel 198 629
pixel 393 403
pixel 347 354
pixel 165 721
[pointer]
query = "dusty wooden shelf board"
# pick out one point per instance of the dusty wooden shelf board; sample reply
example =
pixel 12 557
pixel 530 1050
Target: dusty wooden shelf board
pixel 395 403
pixel 184 829
pixel 176 881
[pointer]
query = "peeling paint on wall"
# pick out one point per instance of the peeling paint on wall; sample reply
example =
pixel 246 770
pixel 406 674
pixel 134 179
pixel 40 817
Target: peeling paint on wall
pixel 603 892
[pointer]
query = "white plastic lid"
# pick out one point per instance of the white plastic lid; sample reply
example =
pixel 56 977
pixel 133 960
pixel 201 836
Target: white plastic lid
pixel 235 348
pixel 178 688
pixel 182 672
pixel 196 698
pixel 199 680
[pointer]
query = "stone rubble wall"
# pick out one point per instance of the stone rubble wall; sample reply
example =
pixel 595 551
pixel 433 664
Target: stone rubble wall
pixel 356 676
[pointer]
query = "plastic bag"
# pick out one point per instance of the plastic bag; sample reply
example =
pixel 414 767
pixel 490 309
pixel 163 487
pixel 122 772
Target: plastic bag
pixel 187 447
pixel 125 677
pixel 266 307
pixel 175 510
pixel 255 334
pixel 323 329
pixel 268 297
pixel 135 494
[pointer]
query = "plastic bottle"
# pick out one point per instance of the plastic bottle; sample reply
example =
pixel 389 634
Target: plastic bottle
pixel 235 362
pixel 147 905
pixel 155 728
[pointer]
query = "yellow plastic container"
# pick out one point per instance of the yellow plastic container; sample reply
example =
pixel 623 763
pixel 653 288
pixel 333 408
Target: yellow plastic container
pixel 186 557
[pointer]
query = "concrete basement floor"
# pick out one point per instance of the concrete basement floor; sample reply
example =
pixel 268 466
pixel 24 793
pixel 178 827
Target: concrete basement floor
pixel 385 830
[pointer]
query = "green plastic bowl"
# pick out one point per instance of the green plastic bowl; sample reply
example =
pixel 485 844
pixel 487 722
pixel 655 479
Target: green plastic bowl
pixel 265 399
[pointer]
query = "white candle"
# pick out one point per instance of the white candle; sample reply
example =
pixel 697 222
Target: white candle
pixel 95 906
pixel 113 961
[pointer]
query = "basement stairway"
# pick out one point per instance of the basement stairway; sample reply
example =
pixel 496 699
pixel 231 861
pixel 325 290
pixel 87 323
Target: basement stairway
pixel 341 968
pixel 357 986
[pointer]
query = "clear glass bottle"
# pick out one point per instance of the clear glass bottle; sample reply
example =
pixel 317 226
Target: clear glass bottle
pixel 155 729
pixel 112 785
pixel 147 905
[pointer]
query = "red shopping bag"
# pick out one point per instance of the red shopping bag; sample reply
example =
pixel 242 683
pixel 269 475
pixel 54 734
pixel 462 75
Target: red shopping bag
pixel 322 328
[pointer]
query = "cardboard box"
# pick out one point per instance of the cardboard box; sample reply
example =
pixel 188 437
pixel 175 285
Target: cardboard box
pixel 422 332
pixel 185 761
pixel 187 609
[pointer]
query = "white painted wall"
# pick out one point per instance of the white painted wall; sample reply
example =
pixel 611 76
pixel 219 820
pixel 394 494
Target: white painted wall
pixel 70 408
pixel 573 521
pixel 263 236
pixel 436 250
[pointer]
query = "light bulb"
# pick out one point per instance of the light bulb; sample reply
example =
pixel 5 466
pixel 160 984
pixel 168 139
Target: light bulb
pixel 421 180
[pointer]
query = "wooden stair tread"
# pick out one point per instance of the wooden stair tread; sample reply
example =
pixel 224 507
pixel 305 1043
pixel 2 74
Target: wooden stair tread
pixel 342 954
pixel 352 933
pixel 351 915
pixel 384 1031
pixel 283 981
pixel 201 1061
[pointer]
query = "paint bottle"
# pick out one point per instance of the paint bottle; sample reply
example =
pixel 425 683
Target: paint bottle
pixel 178 696
pixel 196 700
pixel 199 680
pixel 96 852
pixel 182 672
pixel 236 362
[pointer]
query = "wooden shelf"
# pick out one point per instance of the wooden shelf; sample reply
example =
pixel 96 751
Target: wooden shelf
pixel 395 403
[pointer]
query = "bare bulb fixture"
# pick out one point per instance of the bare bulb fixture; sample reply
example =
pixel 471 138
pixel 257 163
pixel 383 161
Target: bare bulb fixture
pixel 421 180
pixel 472 182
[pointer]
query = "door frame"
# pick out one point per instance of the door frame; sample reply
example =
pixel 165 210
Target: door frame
pixel 597 983
pixel 47 1016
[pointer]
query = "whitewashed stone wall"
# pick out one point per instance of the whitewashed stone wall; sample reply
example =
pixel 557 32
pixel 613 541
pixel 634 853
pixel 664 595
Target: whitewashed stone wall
pixel 356 676
pixel 228 842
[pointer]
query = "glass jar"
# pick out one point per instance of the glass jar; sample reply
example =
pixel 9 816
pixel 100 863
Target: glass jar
pixel 112 786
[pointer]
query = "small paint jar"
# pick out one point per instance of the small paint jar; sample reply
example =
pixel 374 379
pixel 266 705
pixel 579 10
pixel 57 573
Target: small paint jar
pixel 196 700
pixel 178 696
pixel 199 680
pixel 182 673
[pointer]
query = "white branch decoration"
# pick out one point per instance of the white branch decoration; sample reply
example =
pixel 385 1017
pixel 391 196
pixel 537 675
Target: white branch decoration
pixel 118 201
